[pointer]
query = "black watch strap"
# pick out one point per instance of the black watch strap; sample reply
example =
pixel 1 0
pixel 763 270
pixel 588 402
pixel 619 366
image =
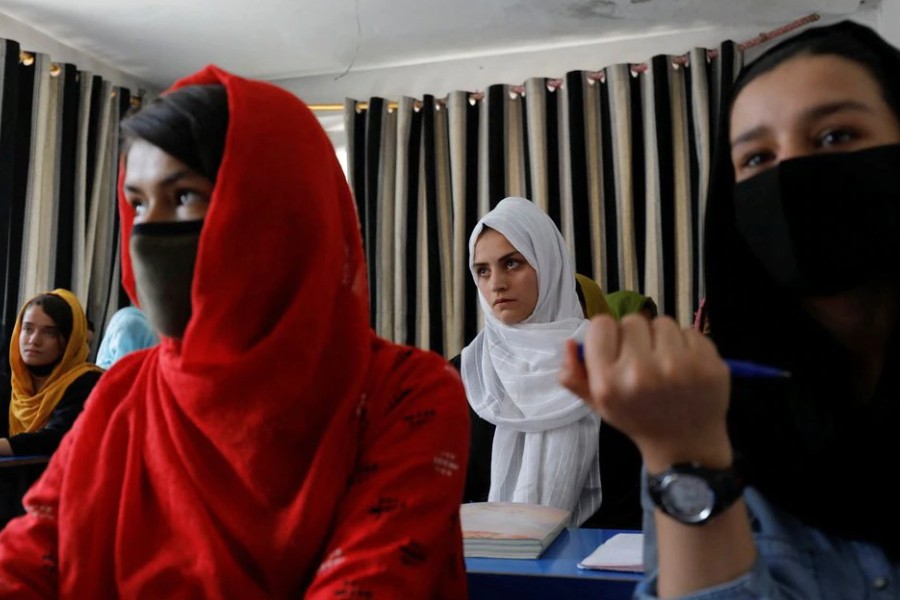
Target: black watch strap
pixel 693 494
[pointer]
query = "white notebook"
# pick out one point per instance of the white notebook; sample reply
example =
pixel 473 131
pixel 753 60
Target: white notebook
pixel 621 552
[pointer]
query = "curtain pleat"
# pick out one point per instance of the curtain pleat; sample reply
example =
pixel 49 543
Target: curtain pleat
pixel 457 120
pixel 432 235
pixel 68 139
pixel 472 314
pixel 515 150
pixel 608 277
pixel 565 193
pixel 101 237
pixel 620 162
pixel 657 151
pixel 375 115
pixel 580 113
pixel 39 221
pixel 623 124
pixel 701 141
pixel 409 212
pixel 384 322
pixel 536 139
pixel 448 323
pixel 684 222
pixel 593 132
pixel 9 164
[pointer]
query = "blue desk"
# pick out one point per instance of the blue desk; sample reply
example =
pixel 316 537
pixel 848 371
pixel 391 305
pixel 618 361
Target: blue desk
pixel 16 461
pixel 554 575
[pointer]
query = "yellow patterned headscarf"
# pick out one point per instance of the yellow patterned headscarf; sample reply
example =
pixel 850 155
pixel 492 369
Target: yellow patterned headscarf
pixel 29 411
pixel 594 302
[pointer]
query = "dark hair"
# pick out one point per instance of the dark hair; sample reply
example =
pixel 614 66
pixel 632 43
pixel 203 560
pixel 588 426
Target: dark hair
pixel 189 123
pixel 57 309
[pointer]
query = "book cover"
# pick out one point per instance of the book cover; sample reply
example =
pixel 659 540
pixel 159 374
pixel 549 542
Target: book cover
pixel 509 529
pixel 621 552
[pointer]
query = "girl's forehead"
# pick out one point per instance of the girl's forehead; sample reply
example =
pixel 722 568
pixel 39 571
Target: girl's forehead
pixel 799 84
pixel 35 314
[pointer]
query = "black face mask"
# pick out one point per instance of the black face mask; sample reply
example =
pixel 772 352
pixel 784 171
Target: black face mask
pixel 825 224
pixel 163 257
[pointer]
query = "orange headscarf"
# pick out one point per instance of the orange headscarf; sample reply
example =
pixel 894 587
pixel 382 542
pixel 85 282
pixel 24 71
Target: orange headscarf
pixel 30 410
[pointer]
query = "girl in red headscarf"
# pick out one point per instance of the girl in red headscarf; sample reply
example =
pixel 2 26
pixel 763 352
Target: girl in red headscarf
pixel 271 446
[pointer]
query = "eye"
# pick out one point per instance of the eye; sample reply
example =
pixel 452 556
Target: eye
pixel 138 205
pixel 185 197
pixel 755 159
pixel 836 137
pixel 481 272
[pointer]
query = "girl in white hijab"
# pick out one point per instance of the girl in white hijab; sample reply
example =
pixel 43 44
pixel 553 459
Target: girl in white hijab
pixel 545 446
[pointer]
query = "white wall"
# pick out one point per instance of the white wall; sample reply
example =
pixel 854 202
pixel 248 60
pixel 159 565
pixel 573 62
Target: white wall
pixel 33 40
pixel 889 21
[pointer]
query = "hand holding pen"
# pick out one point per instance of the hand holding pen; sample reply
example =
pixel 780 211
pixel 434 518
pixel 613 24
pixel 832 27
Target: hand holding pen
pixel 744 369
pixel 664 386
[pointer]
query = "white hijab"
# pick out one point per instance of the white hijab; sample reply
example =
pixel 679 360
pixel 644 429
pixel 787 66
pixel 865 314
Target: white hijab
pixel 546 439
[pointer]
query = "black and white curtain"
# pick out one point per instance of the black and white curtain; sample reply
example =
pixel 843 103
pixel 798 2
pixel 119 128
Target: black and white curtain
pixel 58 171
pixel 618 158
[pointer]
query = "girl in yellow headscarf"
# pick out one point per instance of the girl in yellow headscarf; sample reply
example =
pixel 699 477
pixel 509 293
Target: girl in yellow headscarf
pixel 50 376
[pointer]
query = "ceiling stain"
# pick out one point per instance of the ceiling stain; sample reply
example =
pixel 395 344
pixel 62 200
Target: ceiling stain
pixel 588 9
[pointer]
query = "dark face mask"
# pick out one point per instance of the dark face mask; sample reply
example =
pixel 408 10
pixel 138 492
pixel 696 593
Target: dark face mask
pixel 824 224
pixel 163 257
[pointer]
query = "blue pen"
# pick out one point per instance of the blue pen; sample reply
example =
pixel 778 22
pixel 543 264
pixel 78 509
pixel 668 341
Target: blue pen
pixel 739 368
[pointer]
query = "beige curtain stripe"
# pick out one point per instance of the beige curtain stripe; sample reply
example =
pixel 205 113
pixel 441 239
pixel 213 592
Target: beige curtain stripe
pixel 450 324
pixel 401 189
pixel 384 245
pixel 103 202
pixel 653 249
pixel 618 80
pixel 423 281
pixel 515 143
pixel 457 111
pixel 594 151
pixel 536 114
pixel 566 226
pixel 684 226
pixel 39 217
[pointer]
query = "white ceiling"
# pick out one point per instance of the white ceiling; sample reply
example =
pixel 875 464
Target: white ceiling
pixel 158 41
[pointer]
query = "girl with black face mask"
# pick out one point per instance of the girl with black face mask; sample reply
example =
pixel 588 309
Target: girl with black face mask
pixel 271 445
pixel 777 488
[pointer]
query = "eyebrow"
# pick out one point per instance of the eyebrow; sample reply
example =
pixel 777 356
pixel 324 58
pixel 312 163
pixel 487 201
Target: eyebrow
pixel 168 180
pixel 817 112
pixel 514 253
pixel 43 328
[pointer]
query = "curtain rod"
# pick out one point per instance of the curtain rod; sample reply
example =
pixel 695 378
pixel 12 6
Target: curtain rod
pixel 636 68
pixel 27 58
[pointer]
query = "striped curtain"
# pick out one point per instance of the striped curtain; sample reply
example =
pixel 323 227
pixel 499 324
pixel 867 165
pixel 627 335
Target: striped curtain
pixel 619 159
pixel 58 170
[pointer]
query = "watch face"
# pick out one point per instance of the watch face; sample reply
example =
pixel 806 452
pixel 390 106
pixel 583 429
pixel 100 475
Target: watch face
pixel 687 497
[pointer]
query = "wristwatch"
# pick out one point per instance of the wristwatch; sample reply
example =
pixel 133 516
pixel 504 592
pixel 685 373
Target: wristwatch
pixel 692 494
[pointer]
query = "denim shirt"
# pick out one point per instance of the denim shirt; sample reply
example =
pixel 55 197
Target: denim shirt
pixel 793 561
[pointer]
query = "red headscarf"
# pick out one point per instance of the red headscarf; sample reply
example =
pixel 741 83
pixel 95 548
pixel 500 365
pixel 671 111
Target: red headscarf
pixel 239 436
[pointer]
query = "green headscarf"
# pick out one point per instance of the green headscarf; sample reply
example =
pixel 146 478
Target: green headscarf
pixel 625 302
